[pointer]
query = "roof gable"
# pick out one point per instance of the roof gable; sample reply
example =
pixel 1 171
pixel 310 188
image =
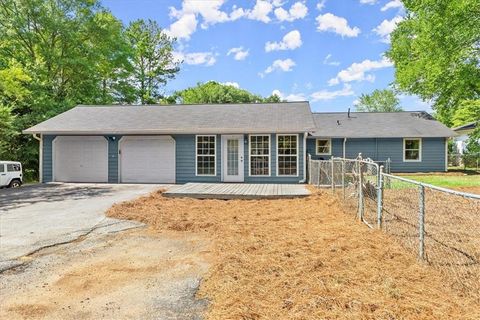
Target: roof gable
pixel 162 119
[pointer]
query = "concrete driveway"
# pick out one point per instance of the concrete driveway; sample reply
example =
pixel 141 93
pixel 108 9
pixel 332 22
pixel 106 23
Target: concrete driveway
pixel 39 216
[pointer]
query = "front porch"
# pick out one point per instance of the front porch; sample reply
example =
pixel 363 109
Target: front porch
pixel 228 191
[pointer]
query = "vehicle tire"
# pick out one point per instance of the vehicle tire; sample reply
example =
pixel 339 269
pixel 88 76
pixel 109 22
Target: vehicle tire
pixel 15 184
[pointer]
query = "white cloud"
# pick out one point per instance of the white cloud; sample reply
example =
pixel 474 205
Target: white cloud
pixel 184 27
pixel 290 97
pixel 297 11
pixel 321 5
pixel 260 11
pixel 329 62
pixel 208 10
pixel 386 27
pixel 279 65
pixel 358 71
pixel 238 53
pixel 233 84
pixel 368 1
pixel 392 5
pixel 329 95
pixel 290 41
pixel 196 58
pixel 339 25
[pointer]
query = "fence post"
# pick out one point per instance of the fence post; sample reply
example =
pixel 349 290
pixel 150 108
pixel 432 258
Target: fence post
pixel 309 167
pixel 421 222
pixel 360 191
pixel 380 198
pixel 343 177
pixel 332 161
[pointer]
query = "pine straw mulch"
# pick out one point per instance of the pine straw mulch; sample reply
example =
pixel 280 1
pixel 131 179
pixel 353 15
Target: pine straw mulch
pixel 301 259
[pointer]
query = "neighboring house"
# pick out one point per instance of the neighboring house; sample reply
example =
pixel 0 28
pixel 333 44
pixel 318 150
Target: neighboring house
pixel 463 133
pixel 176 144
pixel 413 141
pixel 255 143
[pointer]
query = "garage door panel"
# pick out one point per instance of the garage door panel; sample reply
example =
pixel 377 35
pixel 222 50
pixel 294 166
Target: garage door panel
pixel 80 159
pixel 147 160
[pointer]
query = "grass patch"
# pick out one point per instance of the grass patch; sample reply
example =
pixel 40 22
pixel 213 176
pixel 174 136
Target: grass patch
pixel 448 181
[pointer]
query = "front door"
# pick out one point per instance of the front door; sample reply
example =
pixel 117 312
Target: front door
pixel 232 155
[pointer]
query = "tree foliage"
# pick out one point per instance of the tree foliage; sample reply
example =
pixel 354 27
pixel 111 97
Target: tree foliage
pixel 152 59
pixel 55 54
pixel 436 52
pixel 379 101
pixel 214 92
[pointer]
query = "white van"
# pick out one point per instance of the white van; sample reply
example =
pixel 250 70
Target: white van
pixel 10 174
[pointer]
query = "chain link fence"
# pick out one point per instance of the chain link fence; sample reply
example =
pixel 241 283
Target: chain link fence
pixel 441 226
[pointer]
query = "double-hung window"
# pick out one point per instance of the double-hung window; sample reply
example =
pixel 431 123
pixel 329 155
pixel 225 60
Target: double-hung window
pixel 206 155
pixel 323 146
pixel 259 155
pixel 412 149
pixel 287 155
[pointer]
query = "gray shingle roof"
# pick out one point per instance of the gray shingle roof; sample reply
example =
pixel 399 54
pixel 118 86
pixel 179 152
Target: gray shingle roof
pixel 158 119
pixel 467 126
pixel 378 125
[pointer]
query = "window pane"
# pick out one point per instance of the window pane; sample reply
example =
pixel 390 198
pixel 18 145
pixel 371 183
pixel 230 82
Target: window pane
pixel 412 155
pixel 259 159
pixel 2 168
pixel 13 167
pixel 412 144
pixel 287 155
pixel 323 146
pixel 206 155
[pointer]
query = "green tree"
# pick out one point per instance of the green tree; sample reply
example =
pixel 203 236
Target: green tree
pixel 214 92
pixel 152 59
pixel 467 111
pixel 72 51
pixel 379 101
pixel 436 53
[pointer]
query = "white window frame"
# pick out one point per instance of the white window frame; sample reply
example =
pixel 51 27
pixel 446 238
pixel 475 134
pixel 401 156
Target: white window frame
pixel 419 150
pixel 263 155
pixel 298 155
pixel 329 147
pixel 202 155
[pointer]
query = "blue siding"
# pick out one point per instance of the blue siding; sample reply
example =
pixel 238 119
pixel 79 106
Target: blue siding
pixel 185 162
pixel 337 149
pixel 47 161
pixel 433 152
pixel 185 155
pixel 113 158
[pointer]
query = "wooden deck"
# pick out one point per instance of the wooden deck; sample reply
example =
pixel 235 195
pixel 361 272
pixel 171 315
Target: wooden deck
pixel 228 191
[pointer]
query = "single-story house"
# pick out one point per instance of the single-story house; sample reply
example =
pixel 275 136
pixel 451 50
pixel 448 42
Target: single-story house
pixel 413 141
pixel 254 143
pixel 463 133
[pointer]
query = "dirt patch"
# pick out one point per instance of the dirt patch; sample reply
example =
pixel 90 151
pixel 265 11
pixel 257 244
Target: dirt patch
pixel 474 190
pixel 301 259
pixel 131 275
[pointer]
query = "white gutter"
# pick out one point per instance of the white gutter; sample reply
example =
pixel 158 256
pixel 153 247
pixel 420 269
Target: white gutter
pixel 344 147
pixel 304 158
pixel 40 155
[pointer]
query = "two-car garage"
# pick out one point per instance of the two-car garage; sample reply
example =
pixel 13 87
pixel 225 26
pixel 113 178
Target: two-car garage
pixel 139 159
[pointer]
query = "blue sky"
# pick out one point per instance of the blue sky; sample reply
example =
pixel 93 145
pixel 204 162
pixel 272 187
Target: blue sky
pixel 328 52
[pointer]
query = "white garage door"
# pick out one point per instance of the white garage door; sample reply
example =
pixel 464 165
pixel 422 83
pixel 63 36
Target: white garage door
pixel 149 159
pixel 80 159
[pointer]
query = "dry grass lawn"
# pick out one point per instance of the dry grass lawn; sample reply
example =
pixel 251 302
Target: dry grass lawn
pixel 301 259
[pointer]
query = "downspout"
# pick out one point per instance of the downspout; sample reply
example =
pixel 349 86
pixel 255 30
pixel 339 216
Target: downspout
pixel 304 158
pixel 40 155
pixel 344 148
